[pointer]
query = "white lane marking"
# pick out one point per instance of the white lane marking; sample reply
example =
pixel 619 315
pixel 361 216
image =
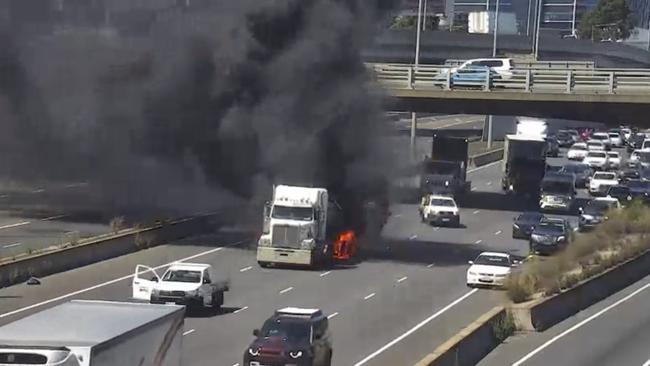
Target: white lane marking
pixel 498 232
pixel 240 310
pixel 23 223
pixel 415 328
pixel 579 325
pixel 235 364
pixel 402 279
pixel 54 217
pixel 12 245
pixel 473 188
pixel 75 185
pixel 398 215
pixel 476 211
pixel 325 273
pixel 370 296
pixel 488 183
pixel 478 241
pixel 189 332
pixel 483 166
pixel 246 269
pixel 332 315
pixel 647 363
pixel 413 237
pixel 107 283
pixel 430 265
pixel 286 290
pixel 39 190
pixel 436 228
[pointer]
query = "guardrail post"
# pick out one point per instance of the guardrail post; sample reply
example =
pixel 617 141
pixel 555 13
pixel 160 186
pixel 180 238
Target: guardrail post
pixel 569 81
pixel 488 80
pixel 611 82
pixel 448 80
pixel 529 78
pixel 410 77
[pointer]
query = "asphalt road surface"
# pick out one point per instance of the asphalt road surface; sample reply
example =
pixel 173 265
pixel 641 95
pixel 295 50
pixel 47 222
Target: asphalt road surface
pixel 613 332
pixel 391 309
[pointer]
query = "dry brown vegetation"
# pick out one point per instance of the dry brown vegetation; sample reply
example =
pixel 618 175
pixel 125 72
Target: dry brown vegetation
pixel 625 235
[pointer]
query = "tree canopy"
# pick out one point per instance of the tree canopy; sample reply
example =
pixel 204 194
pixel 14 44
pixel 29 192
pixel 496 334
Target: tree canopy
pixel 609 20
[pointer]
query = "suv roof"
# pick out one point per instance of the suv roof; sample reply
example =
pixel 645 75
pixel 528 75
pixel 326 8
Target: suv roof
pixel 554 220
pixel 303 313
pixel 189 266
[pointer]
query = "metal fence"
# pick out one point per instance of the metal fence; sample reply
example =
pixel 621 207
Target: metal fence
pixel 575 81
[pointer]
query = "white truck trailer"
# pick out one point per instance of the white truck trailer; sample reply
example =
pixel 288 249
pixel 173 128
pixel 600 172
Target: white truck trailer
pixel 95 333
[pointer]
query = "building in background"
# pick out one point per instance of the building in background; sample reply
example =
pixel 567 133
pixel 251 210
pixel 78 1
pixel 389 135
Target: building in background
pixel 514 12
pixel 563 16
pixel 641 10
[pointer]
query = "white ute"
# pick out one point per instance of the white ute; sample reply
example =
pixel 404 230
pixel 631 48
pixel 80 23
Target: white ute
pixel 577 151
pixel 182 283
pixel 594 145
pixel 614 160
pixel 490 269
pixel 439 210
pixel 601 181
pixel 597 160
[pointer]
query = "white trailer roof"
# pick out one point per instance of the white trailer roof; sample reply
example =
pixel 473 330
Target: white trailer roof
pixel 523 137
pixel 82 323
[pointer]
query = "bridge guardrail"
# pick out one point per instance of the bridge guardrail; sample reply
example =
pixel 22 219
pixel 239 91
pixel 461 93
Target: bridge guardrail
pixel 538 64
pixel 583 81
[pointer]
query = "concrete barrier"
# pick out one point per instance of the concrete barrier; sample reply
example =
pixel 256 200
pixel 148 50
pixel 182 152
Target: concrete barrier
pixel 471 344
pixel 101 248
pixel 485 158
pixel 538 315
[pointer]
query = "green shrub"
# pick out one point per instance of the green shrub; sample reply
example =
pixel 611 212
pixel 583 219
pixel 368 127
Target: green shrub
pixel 503 327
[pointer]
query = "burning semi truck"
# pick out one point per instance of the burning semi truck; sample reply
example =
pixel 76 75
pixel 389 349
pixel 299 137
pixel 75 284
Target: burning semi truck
pixel 306 226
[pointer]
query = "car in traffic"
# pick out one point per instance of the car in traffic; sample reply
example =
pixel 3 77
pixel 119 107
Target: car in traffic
pixel 524 224
pixel 601 181
pixel 467 77
pixel 502 67
pixel 190 284
pixel 490 269
pixel 594 145
pixel 635 142
pixel 639 189
pixel 622 193
pixel 626 133
pixel 581 171
pixel 439 210
pixel 602 137
pixel 564 139
pixel 553 148
pixel 577 151
pixel 550 236
pixel 597 160
pixel 292 336
pixel 595 212
pixel 613 160
pixel 575 135
pixel 615 138
pixel 639 159
pixel 628 174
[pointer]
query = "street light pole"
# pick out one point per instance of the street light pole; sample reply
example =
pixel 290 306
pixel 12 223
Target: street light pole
pixel 539 25
pixel 530 8
pixel 424 16
pixel 496 31
pixel 573 20
pixel 414 120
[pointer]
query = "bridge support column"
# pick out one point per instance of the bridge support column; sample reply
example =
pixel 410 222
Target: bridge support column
pixel 414 129
pixel 489 132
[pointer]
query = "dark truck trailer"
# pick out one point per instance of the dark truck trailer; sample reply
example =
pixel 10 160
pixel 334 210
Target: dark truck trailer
pixel 445 172
pixel 524 164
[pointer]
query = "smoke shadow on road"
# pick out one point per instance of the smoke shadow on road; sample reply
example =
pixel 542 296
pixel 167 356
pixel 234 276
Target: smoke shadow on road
pixel 423 252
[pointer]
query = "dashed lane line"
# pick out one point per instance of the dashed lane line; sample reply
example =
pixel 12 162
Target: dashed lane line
pixel 240 310
pixel 189 332
pixel 369 296
pixel 286 290
pixel 246 269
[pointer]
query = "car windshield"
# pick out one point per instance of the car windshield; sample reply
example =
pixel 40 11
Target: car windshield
pixel 179 275
pixel 643 156
pixel 292 213
pixel 597 206
pixel 638 184
pixel 599 136
pixel 595 154
pixel 613 155
pixel 580 147
pixel 576 168
pixel 594 143
pixel 605 176
pixel 493 260
pixel 549 227
pixel 551 186
pixel 287 329
pixel 530 217
pixel 614 135
pixel 442 202
pixel 619 190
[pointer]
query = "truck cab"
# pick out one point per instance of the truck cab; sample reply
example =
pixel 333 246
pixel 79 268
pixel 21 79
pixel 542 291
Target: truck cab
pixel 191 284
pixel 296 227
pixel 558 191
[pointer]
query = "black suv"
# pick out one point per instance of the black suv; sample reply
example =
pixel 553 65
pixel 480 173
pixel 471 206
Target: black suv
pixel 525 223
pixel 550 235
pixel 292 336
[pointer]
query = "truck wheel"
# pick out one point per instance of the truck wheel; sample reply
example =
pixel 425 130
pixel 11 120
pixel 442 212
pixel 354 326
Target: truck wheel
pixel 217 300
pixel 329 360
pixel 263 264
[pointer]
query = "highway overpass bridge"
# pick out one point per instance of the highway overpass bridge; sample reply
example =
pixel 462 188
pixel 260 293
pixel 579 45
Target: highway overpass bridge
pixel 616 96
pixel 437 46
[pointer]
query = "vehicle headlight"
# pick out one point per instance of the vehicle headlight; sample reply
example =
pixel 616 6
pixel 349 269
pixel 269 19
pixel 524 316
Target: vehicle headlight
pixel 307 244
pixel 535 237
pixel 254 351
pixel 296 354
pixel 265 241
pixel 561 238
pixel 471 273
pixel 515 226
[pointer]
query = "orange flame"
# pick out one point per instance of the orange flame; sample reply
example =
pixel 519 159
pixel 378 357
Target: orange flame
pixel 345 246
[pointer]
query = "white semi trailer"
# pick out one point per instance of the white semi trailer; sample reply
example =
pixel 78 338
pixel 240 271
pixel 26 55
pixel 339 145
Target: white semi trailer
pixel 95 333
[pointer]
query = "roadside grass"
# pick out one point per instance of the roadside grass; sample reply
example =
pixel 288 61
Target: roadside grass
pixel 625 235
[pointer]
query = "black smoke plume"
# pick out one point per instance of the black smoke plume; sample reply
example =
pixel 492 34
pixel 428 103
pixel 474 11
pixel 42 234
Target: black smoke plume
pixel 213 103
